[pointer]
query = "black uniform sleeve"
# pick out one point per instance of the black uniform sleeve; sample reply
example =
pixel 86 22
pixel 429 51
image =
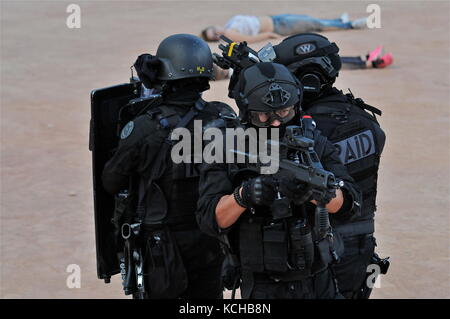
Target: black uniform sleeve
pixel 134 154
pixel 215 180
pixel 352 196
pixel 214 183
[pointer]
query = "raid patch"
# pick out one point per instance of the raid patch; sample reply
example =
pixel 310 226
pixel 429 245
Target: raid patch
pixel 356 147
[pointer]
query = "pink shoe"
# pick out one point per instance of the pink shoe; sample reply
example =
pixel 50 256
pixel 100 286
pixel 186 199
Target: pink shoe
pixel 384 61
pixel 375 54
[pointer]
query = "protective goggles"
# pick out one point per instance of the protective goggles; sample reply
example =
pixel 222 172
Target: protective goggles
pixel 264 119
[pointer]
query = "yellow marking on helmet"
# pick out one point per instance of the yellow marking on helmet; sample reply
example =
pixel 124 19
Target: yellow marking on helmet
pixel 201 69
pixel 230 51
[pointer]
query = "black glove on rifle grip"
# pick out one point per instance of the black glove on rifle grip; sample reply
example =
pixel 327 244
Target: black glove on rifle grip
pixel 260 190
pixel 295 190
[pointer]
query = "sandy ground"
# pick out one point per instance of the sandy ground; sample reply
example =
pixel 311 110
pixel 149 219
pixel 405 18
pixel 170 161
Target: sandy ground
pixel 48 70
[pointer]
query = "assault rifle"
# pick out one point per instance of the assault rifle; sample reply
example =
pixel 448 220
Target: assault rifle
pixel 304 165
pixel 299 160
pixel 235 55
pixel 238 56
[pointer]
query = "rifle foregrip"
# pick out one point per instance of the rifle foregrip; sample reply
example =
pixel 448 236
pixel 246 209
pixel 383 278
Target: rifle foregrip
pixel 322 220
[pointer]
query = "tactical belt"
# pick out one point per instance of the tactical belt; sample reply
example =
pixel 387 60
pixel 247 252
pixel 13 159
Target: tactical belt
pixel 173 227
pixel 356 228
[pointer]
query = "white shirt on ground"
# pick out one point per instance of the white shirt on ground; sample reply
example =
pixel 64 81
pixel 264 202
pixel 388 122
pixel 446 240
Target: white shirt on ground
pixel 246 25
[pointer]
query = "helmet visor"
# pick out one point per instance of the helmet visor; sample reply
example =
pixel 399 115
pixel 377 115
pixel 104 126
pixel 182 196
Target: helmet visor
pixel 265 119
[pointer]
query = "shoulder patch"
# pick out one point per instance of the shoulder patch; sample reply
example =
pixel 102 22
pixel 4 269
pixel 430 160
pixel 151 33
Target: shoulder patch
pixel 127 129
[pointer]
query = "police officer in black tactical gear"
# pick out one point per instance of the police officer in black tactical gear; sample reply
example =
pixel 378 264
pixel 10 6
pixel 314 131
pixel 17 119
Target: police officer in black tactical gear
pixel 268 220
pixel 351 125
pixel 178 259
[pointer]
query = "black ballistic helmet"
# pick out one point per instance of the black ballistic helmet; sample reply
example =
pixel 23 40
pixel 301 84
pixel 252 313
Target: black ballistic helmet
pixel 311 57
pixel 184 56
pixel 267 87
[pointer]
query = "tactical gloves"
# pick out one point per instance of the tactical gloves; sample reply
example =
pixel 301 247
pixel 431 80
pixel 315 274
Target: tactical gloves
pixel 295 190
pixel 261 190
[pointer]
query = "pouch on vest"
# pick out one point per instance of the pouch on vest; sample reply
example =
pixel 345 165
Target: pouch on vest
pixel 275 247
pixel 251 246
pixel 323 248
pixel 338 243
pixel 301 252
pixel 166 274
pixel 156 205
pixel 326 246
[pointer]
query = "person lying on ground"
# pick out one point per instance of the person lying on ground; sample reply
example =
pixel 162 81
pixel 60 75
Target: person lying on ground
pixel 375 59
pixel 255 29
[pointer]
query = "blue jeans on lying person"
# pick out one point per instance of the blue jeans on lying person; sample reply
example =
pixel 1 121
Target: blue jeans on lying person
pixel 289 24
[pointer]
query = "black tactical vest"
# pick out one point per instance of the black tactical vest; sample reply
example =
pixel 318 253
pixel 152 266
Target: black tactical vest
pixel 174 193
pixel 358 137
